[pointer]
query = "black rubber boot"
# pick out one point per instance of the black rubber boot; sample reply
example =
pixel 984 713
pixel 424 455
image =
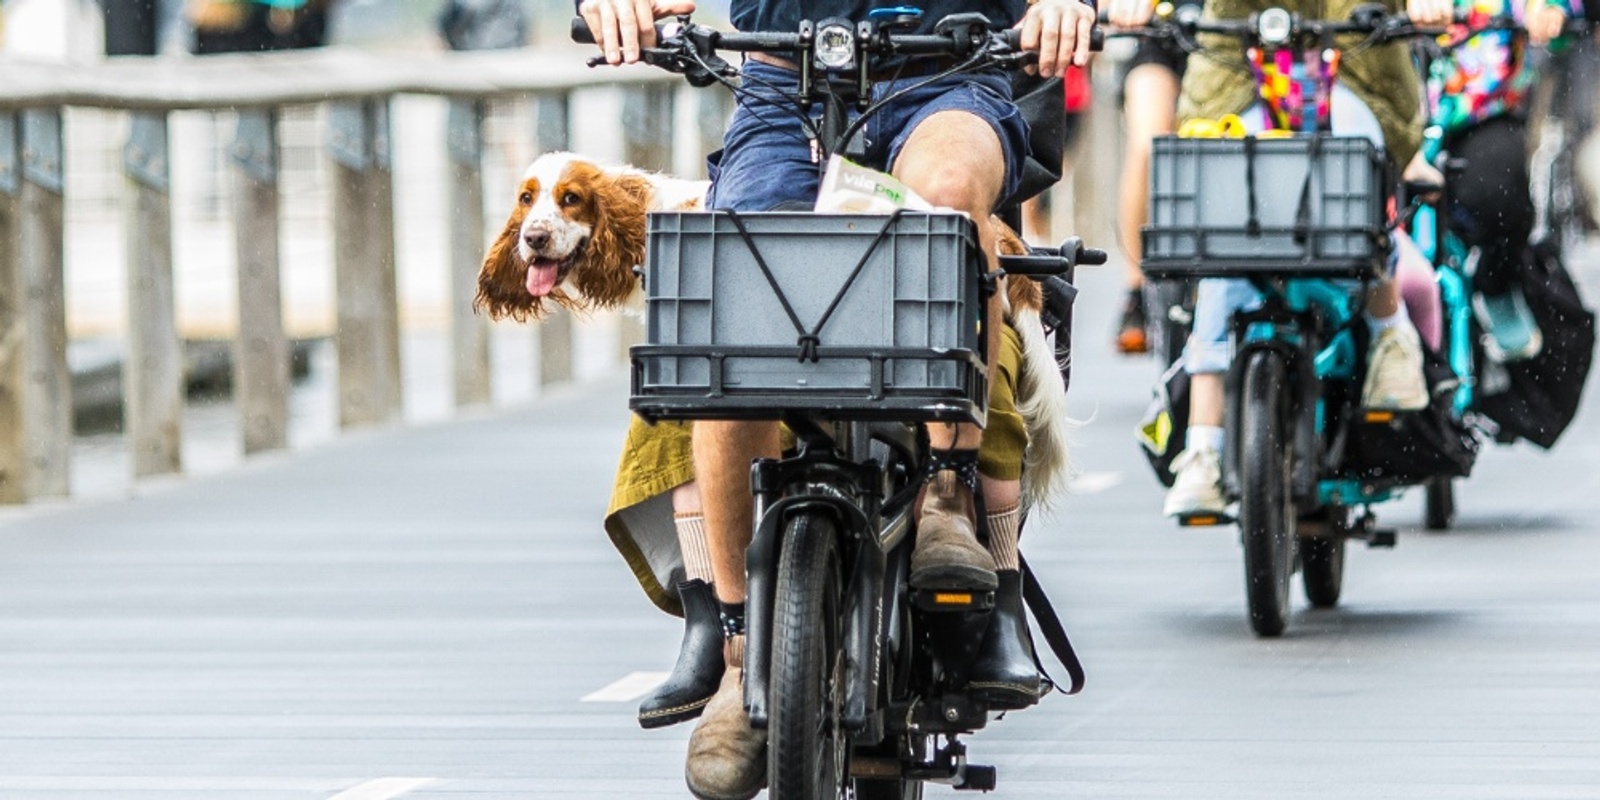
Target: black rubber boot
pixel 1005 676
pixel 700 663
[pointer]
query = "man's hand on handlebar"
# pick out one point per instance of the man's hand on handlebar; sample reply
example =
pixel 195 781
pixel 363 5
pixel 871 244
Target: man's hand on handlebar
pixel 1431 13
pixel 1543 21
pixel 1128 14
pixel 623 28
pixel 1061 32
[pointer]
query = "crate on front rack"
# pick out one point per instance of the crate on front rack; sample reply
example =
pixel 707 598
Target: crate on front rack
pixel 848 316
pixel 1303 206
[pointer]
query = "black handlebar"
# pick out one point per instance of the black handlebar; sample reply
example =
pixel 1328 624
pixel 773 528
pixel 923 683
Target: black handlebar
pixel 1043 262
pixel 901 44
pixel 1370 19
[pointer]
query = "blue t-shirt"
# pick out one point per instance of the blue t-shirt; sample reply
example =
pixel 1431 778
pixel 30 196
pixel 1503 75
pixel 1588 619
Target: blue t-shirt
pixel 784 16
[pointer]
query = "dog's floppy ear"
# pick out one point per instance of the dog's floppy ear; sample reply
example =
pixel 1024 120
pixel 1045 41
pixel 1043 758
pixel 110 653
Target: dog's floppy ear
pixel 502 281
pixel 603 274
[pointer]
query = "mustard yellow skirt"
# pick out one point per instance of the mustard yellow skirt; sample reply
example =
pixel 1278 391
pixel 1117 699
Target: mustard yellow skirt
pixel 657 458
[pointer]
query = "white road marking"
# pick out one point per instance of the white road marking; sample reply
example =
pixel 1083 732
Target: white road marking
pixel 1095 482
pixel 631 686
pixel 382 789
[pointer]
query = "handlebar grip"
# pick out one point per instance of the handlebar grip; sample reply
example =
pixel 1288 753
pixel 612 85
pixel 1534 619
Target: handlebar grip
pixel 1092 256
pixel 580 31
pixel 1097 38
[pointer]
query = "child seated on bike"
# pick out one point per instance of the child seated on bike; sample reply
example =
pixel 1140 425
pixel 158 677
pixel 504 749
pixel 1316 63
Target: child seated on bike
pixel 1377 97
pixel 1479 94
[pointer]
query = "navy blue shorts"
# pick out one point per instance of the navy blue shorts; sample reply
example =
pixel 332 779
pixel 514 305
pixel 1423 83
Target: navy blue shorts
pixel 766 156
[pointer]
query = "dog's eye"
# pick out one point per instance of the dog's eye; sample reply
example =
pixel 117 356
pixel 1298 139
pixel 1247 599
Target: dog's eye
pixel 526 198
pixel 570 199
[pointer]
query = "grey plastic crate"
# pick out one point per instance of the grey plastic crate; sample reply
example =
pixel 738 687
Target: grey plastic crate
pixel 899 336
pixel 1319 207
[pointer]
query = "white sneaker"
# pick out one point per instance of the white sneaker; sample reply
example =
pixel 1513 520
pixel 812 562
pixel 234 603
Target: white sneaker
pixel 1197 484
pixel 1394 371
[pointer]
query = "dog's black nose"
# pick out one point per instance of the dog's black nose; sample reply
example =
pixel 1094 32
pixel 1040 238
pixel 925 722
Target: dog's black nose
pixel 536 239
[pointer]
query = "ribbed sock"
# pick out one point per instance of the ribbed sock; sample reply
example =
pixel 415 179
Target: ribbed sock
pixel 1003 536
pixel 692 541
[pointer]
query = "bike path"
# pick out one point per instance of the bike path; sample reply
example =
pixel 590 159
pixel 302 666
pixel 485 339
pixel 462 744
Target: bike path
pixel 418 613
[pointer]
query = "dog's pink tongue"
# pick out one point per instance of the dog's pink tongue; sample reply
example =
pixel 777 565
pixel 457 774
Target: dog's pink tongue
pixel 542 277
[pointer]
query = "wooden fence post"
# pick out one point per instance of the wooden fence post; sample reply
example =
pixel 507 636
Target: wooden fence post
pixel 261 377
pixel 553 134
pixel 368 335
pixel 152 373
pixel 13 434
pixel 469 332
pixel 47 392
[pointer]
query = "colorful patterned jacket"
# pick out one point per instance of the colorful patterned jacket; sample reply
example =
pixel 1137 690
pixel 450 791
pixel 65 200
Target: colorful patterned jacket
pixel 1488 76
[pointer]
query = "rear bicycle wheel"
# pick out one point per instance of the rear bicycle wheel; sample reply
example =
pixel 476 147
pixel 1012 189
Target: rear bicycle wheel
pixel 1266 509
pixel 806 748
pixel 1439 504
pixel 1322 569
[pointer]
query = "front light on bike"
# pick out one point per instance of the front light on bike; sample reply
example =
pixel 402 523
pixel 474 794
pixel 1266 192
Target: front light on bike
pixel 1274 26
pixel 835 46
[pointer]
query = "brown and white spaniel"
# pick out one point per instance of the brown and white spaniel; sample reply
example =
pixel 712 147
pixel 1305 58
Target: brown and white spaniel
pixel 577 233
pixel 574 236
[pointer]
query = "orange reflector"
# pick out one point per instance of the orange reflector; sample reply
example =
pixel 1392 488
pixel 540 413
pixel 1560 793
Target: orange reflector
pixel 1380 416
pixel 1202 521
pixel 952 599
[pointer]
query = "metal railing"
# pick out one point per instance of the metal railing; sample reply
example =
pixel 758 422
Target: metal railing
pixel 357 89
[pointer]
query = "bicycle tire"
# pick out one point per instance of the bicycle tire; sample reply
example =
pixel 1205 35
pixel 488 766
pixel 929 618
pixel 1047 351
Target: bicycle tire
pixel 1439 504
pixel 1266 509
pixel 806 757
pixel 1322 570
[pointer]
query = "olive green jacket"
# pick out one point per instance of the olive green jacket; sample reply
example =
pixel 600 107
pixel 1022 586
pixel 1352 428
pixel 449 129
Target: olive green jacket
pixel 1218 81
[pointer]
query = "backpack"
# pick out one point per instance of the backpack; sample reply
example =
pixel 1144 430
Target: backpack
pixel 1536 399
pixel 1163 430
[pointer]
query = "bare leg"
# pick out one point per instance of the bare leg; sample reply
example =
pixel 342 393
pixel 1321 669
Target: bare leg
pixel 722 454
pixel 1151 110
pixel 953 159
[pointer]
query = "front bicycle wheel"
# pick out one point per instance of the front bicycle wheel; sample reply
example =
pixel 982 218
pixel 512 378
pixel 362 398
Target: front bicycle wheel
pixel 1266 509
pixel 806 757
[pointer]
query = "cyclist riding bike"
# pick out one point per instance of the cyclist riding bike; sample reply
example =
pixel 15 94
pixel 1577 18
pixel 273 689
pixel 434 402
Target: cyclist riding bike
pixel 1377 96
pixel 1149 109
pixel 958 143
pixel 1479 94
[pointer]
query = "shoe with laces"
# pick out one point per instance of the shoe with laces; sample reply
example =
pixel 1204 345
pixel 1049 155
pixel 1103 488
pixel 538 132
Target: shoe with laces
pixel 1131 336
pixel 1513 332
pixel 1394 371
pixel 1197 484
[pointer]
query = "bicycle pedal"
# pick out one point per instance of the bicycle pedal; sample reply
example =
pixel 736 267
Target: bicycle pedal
pixel 977 778
pixel 1382 537
pixel 951 600
pixel 1206 520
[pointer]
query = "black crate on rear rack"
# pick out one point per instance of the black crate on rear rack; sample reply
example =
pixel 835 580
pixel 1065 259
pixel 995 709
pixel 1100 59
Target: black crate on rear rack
pixel 850 316
pixel 1302 206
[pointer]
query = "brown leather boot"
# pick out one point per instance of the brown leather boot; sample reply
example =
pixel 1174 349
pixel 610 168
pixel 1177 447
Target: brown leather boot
pixel 948 555
pixel 727 757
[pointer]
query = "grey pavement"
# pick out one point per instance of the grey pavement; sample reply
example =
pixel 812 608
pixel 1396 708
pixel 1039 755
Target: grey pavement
pixel 418 613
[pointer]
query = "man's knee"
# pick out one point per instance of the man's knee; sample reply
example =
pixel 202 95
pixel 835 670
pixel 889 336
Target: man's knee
pixel 954 159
